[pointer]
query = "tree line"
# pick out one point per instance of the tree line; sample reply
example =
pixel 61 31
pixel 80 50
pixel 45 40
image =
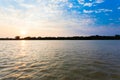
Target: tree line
pixel 95 37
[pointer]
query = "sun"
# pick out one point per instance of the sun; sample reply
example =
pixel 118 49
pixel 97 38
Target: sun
pixel 23 32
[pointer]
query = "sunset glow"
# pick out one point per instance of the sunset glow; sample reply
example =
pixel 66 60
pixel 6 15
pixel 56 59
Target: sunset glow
pixel 23 33
pixel 59 17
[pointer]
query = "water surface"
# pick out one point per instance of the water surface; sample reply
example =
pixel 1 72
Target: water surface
pixel 60 60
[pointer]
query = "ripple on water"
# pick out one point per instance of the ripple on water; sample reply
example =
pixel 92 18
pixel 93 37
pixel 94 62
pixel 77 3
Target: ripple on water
pixel 60 60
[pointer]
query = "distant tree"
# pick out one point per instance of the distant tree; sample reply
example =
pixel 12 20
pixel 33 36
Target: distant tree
pixel 17 37
pixel 27 38
pixel 117 35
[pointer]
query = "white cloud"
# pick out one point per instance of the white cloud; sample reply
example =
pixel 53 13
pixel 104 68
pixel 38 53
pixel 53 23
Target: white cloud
pixel 97 11
pixel 70 5
pixel 88 11
pixel 27 5
pixel 91 3
pixel 19 1
pixel 99 1
pixel 88 4
pixel 52 18
pixel 103 10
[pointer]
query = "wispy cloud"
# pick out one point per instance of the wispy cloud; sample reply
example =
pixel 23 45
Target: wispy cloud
pixel 99 1
pixel 103 10
pixel 88 11
pixel 46 16
pixel 88 4
pixel 118 8
pixel 97 11
pixel 56 17
pixel 91 3
pixel 81 1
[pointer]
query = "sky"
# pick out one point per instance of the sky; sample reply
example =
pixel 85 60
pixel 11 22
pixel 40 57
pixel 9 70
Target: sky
pixel 59 17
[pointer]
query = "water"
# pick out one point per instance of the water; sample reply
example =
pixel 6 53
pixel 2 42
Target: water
pixel 60 60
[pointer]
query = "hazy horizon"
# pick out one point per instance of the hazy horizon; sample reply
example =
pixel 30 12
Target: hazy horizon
pixel 59 17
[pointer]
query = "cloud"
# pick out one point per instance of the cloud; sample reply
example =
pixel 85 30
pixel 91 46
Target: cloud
pixel 99 1
pixel 103 10
pixel 97 11
pixel 27 5
pixel 56 17
pixel 88 4
pixel 70 5
pixel 91 3
pixel 81 1
pixel 103 30
pixel 52 18
pixel 118 8
pixel 19 1
pixel 88 11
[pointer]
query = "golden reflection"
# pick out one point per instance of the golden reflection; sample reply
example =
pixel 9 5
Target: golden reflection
pixel 22 50
pixel 20 65
pixel 23 46
pixel 23 43
pixel 21 55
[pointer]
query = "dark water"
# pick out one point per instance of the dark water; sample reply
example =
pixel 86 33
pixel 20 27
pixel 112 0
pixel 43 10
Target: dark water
pixel 60 60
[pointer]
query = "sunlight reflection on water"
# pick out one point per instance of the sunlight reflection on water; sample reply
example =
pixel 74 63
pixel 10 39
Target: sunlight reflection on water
pixel 59 60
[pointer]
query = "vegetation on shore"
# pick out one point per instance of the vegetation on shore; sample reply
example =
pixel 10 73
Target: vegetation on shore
pixel 96 37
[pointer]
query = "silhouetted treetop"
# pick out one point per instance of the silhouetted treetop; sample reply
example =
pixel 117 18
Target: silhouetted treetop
pixel 94 37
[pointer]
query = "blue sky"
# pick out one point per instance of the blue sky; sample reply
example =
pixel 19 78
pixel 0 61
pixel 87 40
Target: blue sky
pixel 59 17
